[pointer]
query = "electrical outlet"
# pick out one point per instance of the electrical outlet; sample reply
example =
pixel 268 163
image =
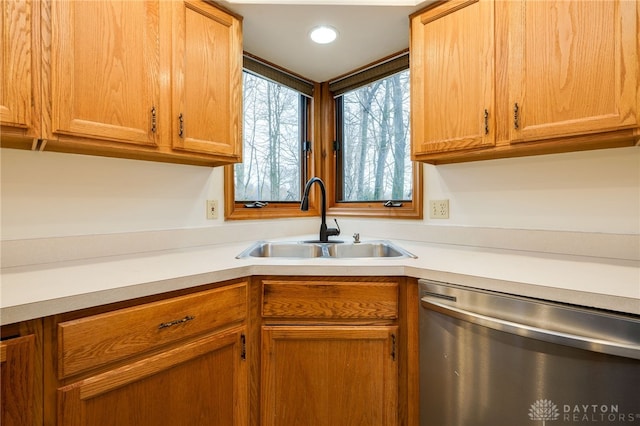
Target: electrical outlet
pixel 439 209
pixel 212 209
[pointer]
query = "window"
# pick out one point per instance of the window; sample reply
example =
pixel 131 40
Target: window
pixel 271 168
pixel 276 151
pixel 373 171
pixel 374 153
pixel 292 127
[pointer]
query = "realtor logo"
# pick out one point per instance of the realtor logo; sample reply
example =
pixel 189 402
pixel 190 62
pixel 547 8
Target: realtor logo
pixel 543 409
pixel 546 410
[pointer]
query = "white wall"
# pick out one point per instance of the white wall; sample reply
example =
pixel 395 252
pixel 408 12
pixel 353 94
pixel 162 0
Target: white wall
pixel 591 191
pixel 50 194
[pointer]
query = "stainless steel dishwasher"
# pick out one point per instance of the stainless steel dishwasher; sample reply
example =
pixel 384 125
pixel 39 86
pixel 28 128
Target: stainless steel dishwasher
pixel 489 358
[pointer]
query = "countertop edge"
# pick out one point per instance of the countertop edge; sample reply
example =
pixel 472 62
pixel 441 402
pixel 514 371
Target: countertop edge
pixel 44 290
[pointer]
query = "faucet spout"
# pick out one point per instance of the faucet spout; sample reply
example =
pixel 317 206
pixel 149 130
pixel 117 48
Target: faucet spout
pixel 325 232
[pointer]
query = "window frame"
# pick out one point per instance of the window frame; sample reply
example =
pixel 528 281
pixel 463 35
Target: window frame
pixel 412 209
pixel 236 210
pixel 320 160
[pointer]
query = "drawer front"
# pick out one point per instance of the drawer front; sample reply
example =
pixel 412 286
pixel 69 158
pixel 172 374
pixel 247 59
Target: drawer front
pixel 96 340
pixel 327 300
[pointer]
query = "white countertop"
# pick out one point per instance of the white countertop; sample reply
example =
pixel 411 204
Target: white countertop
pixel 29 292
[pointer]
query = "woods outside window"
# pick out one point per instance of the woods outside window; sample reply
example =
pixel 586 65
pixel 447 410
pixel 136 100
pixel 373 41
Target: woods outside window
pixel 352 132
pixel 373 174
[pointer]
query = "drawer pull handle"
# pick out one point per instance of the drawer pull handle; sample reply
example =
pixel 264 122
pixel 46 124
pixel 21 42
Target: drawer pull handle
pixel 153 119
pixel 486 121
pixel 175 322
pixel 181 125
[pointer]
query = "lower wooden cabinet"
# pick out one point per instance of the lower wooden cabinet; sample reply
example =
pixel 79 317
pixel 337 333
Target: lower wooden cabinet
pixel 335 351
pixel 177 361
pixel 18 382
pixel 329 375
pixel 261 351
pixel 202 382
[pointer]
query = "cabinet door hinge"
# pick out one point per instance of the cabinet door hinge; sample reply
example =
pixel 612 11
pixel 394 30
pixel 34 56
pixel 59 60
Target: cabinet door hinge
pixel 243 349
pixel 306 146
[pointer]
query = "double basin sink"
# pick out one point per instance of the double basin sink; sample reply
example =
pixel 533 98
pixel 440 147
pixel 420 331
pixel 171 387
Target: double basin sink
pixel 331 249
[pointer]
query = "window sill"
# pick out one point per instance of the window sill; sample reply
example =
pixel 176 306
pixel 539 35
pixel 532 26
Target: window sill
pixel 271 211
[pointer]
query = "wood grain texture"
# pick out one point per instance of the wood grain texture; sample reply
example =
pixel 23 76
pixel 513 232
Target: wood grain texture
pixel 207 71
pixel 570 66
pixel 90 75
pixel 329 375
pixel 324 300
pixel 17 382
pixel 452 77
pixel 201 382
pixel 20 69
pixel 15 67
pixel 105 69
pixel 99 339
pixel 574 68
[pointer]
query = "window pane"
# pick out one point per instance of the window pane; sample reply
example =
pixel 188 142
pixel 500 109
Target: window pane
pixel 271 165
pixel 375 149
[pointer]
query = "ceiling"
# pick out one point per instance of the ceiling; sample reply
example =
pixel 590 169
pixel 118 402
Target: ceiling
pixel 368 30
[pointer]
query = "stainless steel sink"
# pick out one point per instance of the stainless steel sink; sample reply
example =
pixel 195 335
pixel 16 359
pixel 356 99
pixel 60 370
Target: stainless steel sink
pixel 336 250
pixel 367 249
pixel 282 249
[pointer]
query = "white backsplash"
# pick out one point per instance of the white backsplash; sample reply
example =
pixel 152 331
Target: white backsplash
pixel 61 206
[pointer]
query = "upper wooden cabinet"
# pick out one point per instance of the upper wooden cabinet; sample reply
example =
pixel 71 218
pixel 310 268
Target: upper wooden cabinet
pixel 573 67
pixel 105 70
pixel 148 79
pixel 546 77
pixel 207 89
pixel 452 84
pixel 20 69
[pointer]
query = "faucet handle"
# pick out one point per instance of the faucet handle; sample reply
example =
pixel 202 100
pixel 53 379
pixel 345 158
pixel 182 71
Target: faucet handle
pixel 334 231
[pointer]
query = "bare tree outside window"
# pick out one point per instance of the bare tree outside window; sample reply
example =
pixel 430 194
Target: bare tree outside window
pixel 272 152
pixel 375 147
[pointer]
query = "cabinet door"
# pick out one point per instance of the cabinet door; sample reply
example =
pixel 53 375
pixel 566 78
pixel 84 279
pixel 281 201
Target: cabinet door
pixel 574 67
pixel 207 71
pixel 203 382
pixel 452 83
pixel 104 69
pixel 17 378
pixel 329 375
pixel 19 101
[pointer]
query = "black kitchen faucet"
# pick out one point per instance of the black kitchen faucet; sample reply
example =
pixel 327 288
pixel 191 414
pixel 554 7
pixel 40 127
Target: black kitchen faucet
pixel 325 232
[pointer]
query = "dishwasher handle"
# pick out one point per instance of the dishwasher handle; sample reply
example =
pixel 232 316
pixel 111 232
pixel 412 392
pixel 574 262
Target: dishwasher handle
pixel 567 339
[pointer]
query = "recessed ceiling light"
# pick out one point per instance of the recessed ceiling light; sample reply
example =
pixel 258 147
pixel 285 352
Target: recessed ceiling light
pixel 323 34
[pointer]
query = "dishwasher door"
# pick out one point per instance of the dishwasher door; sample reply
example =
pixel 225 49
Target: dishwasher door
pixel 489 359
